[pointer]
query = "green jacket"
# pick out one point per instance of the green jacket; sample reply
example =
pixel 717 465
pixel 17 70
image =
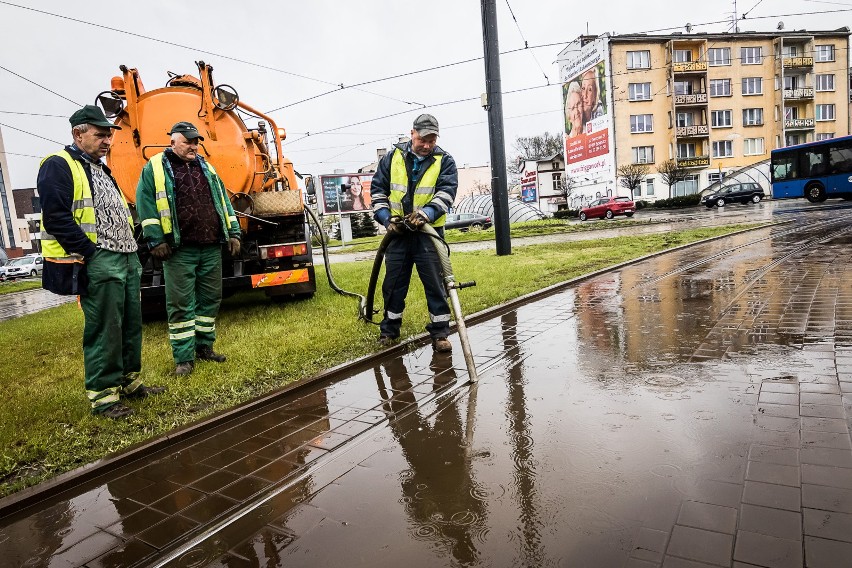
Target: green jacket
pixel 155 202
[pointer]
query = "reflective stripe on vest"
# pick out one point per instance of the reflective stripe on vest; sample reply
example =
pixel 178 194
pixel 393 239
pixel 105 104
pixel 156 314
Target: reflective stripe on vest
pixel 163 209
pixel 424 191
pixel 82 209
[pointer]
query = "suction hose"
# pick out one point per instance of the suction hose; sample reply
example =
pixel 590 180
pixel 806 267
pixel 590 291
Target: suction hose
pixel 452 287
pixel 331 281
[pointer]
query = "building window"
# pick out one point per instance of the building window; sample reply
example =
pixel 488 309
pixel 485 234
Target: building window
pixel 794 140
pixel 791 113
pixel 824 52
pixel 825 112
pixel 824 136
pixel 719 56
pixel 639 91
pixel 643 154
pixel 751 56
pixel 685 119
pixel 790 51
pixel 687 186
pixel 825 82
pixel 641 123
pixel 752 116
pixel 715 177
pixel 720 118
pixel 685 150
pixel 649 187
pixel 753 85
pixel 638 59
pixel 792 82
pixel 723 149
pixel 682 55
pixel 682 88
pixel 720 87
pixel 753 147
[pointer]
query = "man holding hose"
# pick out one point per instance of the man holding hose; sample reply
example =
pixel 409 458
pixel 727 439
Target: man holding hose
pixel 414 184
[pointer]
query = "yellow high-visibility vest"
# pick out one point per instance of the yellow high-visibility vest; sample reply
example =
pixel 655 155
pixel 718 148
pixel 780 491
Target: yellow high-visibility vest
pixel 422 193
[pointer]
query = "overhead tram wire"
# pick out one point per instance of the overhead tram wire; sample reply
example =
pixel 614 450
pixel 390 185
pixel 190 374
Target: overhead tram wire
pixel 39 85
pixel 526 43
pixel 30 133
pixel 207 52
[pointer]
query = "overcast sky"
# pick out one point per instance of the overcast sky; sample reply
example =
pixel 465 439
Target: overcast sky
pixel 289 51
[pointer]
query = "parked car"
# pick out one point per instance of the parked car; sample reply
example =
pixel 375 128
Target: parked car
pixel 608 207
pixel 466 221
pixel 30 265
pixel 734 193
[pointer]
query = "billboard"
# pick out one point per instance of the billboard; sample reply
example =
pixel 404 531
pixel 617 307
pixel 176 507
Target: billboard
pixel 529 191
pixel 587 103
pixel 345 193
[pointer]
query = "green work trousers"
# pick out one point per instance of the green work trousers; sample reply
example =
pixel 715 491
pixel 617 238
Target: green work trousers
pixel 193 278
pixel 112 333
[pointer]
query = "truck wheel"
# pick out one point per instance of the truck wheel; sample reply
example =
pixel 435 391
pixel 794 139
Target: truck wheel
pixel 608 214
pixel 815 192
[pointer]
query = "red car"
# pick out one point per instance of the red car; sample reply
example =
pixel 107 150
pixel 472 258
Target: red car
pixel 608 207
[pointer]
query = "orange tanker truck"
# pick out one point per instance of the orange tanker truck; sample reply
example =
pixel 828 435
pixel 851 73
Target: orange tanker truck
pixel 276 246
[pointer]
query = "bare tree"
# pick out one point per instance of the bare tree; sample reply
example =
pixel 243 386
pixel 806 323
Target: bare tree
pixel 481 188
pixel 671 172
pixel 534 148
pixel 632 175
pixel 565 186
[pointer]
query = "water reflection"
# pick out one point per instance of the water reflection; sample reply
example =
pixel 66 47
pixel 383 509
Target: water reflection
pixel 439 489
pixel 524 484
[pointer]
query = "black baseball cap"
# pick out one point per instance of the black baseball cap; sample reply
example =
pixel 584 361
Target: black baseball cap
pixel 187 129
pixel 426 124
pixel 91 114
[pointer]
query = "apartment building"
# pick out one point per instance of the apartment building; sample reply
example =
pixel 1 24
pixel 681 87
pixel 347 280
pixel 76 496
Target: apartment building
pixel 712 102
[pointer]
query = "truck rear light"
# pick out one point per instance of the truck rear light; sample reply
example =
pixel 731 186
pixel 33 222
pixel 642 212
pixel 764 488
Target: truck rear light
pixel 282 251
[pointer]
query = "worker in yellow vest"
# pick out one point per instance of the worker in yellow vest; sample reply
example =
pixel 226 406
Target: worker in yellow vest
pixel 186 218
pixel 415 183
pixel 89 250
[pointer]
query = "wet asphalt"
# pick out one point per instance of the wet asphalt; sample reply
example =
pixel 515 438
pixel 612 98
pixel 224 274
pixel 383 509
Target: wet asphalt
pixel 689 410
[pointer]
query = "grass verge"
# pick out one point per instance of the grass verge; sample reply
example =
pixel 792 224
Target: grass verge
pixel 45 424
pixel 11 286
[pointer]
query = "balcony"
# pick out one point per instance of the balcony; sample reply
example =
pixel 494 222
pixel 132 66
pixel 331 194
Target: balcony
pixel 798 123
pixel 689 66
pixel 698 130
pixel 694 162
pixel 799 94
pixel 793 62
pixel 693 99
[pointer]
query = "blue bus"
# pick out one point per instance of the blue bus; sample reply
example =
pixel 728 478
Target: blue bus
pixel 817 170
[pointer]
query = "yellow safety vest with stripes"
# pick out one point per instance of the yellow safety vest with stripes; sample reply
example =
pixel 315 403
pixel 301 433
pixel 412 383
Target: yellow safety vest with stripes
pixel 164 210
pixel 422 193
pixel 82 209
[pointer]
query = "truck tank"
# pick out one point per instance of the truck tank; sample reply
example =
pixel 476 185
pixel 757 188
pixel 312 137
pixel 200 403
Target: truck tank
pixel 276 255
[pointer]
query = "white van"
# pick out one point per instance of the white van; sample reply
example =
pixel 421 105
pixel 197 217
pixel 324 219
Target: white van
pixel 30 265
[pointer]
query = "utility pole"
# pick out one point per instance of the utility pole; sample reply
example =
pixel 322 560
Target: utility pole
pixel 494 103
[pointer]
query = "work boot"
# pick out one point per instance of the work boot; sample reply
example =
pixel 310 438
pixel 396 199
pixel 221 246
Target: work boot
pixel 386 340
pixel 185 368
pixel 442 345
pixel 206 353
pixel 145 392
pixel 116 411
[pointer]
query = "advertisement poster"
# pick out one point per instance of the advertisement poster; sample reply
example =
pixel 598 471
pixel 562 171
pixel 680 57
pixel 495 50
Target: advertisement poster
pixel 346 193
pixel 529 190
pixel 586 101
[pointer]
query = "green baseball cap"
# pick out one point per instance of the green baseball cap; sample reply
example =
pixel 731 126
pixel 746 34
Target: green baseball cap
pixel 91 114
pixel 187 129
